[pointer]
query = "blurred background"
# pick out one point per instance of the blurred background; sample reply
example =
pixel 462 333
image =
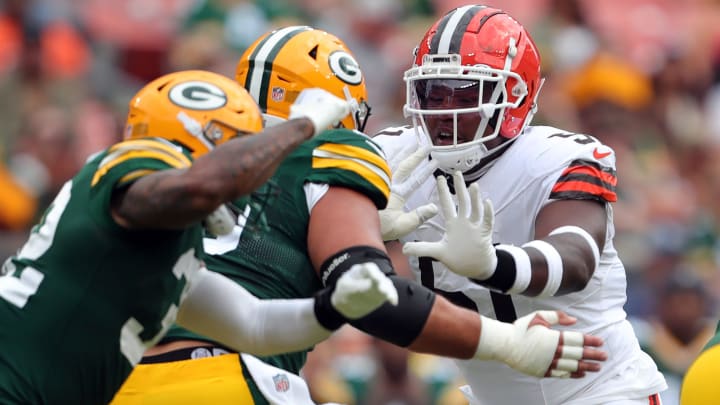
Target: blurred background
pixel 643 76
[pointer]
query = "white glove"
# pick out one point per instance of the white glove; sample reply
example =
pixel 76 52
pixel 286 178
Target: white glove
pixel 361 290
pixel 322 108
pixel 394 221
pixel 466 247
pixel 221 221
pixel 531 350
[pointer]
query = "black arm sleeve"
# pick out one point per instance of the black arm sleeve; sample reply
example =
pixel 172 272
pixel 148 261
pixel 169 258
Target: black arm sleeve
pixel 399 324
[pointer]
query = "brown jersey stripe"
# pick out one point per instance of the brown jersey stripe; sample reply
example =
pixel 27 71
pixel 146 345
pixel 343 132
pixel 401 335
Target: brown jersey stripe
pixel 582 190
pixel 607 177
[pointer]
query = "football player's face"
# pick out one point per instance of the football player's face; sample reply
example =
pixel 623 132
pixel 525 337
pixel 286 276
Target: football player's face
pixel 451 94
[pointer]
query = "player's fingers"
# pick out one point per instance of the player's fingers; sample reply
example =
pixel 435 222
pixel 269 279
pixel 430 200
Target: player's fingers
pixel 585 367
pixel 594 355
pixel 571 352
pixel 488 215
pixel 561 368
pixel 426 212
pixel 572 338
pixel 447 207
pixel 558 374
pixel 570 343
pixel 544 318
pixel 410 161
pixel 420 249
pixel 565 319
pixel 568 365
pixel 463 197
pixel 477 205
pixel 397 163
pixel 418 176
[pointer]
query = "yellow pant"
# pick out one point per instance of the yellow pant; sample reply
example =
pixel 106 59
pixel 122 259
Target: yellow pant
pixel 700 385
pixel 211 380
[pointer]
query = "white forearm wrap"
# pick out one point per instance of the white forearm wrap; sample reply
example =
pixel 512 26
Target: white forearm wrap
pixel 523 268
pixel 496 339
pixel 583 234
pixel 222 310
pixel 527 349
pixel 554 264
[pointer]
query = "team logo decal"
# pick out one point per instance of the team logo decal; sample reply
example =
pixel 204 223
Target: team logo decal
pixel 278 94
pixel 197 95
pixel 345 67
pixel 282 383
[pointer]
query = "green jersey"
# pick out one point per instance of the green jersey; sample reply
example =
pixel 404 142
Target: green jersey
pixel 84 298
pixel 269 255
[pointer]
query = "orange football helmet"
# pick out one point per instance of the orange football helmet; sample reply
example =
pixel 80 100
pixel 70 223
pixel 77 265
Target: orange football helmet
pixel 483 62
pixel 194 108
pixel 281 63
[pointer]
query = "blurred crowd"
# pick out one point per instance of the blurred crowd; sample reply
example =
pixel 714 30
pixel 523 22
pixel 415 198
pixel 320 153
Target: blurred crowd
pixel 643 76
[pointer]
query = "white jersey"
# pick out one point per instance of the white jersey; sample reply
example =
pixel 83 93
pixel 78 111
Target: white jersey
pixel 538 168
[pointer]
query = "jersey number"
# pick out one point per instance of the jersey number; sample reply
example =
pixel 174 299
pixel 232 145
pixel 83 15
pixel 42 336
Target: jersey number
pixel 577 138
pixel 132 344
pixel 17 286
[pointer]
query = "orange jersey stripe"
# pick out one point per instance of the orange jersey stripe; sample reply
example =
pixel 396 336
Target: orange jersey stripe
pixel 605 176
pixel 580 188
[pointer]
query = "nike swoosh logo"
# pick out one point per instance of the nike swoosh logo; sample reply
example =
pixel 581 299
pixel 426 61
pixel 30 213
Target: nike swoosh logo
pixel 599 155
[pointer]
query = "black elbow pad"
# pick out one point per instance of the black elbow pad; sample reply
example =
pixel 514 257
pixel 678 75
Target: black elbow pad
pixel 402 323
pixel 398 324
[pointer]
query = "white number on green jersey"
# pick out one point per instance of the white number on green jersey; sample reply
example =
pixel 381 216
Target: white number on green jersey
pixel 226 243
pixel 131 344
pixel 17 289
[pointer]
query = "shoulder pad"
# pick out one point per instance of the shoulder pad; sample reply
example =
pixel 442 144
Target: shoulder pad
pixel 155 149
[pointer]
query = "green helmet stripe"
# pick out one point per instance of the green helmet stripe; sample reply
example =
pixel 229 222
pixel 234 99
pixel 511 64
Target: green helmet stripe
pixel 261 60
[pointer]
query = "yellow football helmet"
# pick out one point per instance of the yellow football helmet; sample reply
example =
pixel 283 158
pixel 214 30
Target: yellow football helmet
pixel 281 63
pixel 195 108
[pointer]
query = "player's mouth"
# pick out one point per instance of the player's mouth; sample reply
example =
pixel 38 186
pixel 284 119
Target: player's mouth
pixel 443 138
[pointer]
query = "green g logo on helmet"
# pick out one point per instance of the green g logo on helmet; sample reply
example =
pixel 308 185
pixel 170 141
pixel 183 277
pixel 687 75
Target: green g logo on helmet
pixel 345 67
pixel 197 95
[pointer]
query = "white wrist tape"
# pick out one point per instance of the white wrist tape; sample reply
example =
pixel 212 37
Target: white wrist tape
pixel 523 268
pixel 496 339
pixel 585 235
pixel 554 264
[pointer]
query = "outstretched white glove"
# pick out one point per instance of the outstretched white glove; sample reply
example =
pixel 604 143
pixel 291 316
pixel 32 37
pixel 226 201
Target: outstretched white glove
pixel 361 290
pixel 531 350
pixel 394 221
pixel 466 247
pixel 321 107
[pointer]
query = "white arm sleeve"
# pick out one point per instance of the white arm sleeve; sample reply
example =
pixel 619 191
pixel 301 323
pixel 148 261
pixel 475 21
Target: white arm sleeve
pixel 220 309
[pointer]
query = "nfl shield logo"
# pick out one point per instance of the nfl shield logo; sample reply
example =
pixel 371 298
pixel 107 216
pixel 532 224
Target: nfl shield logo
pixel 278 93
pixel 282 384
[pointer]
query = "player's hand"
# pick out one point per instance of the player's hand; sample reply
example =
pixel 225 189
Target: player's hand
pixel 466 247
pixel 394 221
pixel 322 108
pixel 361 290
pixel 529 346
